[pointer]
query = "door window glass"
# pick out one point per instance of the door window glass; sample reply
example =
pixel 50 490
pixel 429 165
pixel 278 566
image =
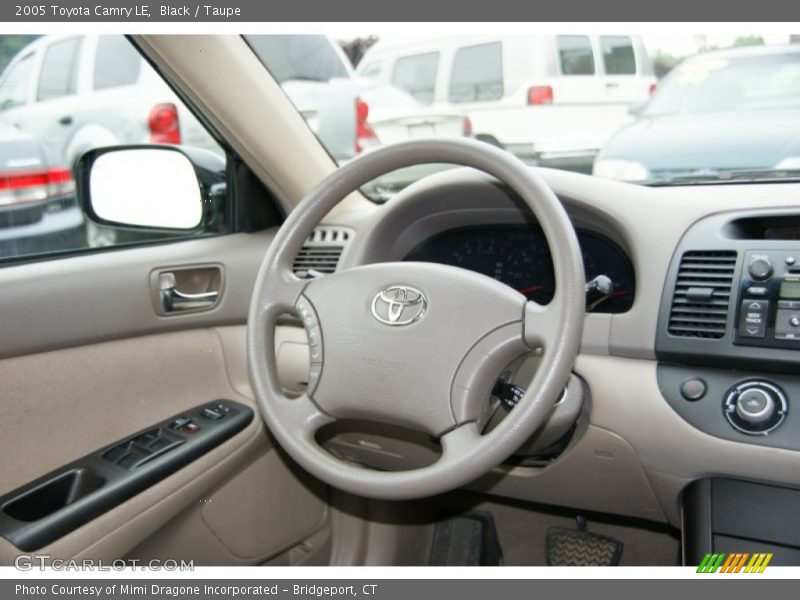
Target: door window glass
pixel 57 77
pixel 417 75
pixel 618 55
pixel 116 63
pixel 477 74
pixel 14 88
pixel 576 55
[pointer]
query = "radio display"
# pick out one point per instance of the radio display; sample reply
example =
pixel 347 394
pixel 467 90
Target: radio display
pixel 790 289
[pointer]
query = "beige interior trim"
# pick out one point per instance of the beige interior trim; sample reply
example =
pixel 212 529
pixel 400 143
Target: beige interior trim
pixel 103 296
pixel 87 397
pixel 261 511
pixel 626 401
pixel 600 472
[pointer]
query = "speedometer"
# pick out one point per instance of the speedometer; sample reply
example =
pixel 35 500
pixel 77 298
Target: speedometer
pixel 520 264
pixel 520 257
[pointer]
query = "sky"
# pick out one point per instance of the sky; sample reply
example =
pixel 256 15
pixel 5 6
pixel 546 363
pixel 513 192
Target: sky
pixel 677 44
pixel 686 44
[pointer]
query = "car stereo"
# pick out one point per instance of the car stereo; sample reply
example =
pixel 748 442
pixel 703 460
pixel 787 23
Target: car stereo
pixel 768 306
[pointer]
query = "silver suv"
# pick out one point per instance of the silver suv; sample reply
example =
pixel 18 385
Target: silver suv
pixel 75 93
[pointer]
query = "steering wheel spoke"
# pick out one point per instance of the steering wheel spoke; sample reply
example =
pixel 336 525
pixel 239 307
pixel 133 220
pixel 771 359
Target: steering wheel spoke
pixel 283 288
pixel 459 442
pixel 541 324
pixel 304 417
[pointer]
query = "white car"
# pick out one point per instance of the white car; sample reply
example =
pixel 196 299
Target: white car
pixel 395 115
pixel 552 100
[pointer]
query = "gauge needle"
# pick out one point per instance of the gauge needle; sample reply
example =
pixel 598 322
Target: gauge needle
pixel 531 289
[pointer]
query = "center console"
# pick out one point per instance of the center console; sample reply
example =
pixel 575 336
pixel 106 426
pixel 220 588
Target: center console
pixel 728 341
pixel 728 345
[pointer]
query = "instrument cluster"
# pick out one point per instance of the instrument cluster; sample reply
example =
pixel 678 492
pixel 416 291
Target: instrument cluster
pixel 519 256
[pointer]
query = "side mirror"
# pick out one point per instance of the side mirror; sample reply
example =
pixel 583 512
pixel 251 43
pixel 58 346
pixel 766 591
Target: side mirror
pixel 636 109
pixel 152 187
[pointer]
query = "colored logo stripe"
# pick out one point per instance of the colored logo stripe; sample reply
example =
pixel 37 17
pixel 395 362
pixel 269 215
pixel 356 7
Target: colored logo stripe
pixel 758 563
pixel 735 562
pixel 711 562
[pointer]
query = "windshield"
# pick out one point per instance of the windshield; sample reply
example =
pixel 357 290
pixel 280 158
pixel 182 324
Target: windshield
pixel 717 83
pixel 590 103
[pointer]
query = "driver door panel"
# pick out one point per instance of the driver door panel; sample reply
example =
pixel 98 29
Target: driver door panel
pixel 88 363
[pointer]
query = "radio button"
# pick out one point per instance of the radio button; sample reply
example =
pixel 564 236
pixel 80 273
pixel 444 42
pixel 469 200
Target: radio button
pixel 753 320
pixel 757 291
pixel 787 325
pixel 760 269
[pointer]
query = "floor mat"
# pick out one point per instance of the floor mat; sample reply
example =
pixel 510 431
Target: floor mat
pixel 578 547
pixel 467 540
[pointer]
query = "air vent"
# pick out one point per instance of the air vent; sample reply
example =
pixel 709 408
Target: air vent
pixel 702 294
pixel 322 250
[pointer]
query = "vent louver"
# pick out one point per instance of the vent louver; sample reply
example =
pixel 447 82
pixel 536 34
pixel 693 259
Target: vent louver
pixel 322 250
pixel 702 294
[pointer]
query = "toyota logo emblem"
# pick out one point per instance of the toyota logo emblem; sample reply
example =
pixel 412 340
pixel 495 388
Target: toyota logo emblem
pixel 398 305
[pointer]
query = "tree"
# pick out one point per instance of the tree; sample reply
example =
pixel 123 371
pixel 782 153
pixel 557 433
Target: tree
pixel 748 40
pixel 356 48
pixel 663 63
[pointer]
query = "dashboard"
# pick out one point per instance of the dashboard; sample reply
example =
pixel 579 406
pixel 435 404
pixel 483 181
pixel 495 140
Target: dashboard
pixel 665 381
pixel 518 255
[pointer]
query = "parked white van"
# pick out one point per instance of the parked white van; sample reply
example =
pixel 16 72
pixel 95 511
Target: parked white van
pixel 550 99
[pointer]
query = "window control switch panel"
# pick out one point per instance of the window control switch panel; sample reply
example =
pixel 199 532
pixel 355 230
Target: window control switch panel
pixel 143 448
pixel 147 446
pixel 43 510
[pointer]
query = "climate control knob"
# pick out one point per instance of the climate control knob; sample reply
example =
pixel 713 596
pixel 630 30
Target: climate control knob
pixel 756 407
pixel 760 269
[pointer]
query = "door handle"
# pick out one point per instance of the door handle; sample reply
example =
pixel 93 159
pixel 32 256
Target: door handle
pixel 173 300
pixel 65 120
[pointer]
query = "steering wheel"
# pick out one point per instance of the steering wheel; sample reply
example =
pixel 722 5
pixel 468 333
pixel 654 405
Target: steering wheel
pixel 414 344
